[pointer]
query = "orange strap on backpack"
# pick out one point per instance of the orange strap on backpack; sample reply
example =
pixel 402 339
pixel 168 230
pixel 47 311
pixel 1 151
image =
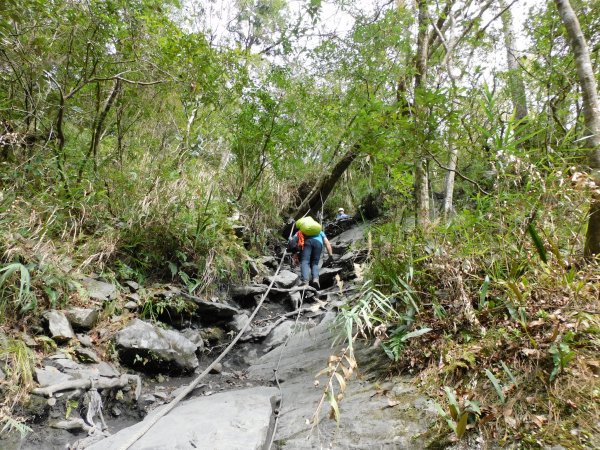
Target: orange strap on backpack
pixel 300 240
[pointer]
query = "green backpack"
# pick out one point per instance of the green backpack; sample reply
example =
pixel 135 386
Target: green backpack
pixel 309 226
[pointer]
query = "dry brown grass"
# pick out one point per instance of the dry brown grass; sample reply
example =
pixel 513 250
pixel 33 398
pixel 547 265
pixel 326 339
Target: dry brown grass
pixel 558 304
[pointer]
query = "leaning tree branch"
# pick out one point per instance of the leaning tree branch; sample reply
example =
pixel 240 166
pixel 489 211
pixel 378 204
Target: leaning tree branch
pixel 460 175
pixel 102 383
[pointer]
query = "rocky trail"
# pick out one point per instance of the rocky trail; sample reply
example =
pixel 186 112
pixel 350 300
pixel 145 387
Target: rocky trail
pixel 262 395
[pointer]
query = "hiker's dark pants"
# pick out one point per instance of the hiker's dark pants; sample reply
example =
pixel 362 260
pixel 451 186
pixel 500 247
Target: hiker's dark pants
pixel 309 259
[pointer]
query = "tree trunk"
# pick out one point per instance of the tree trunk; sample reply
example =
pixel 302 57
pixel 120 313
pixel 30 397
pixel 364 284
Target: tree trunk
pixel 516 84
pixel 97 130
pixel 421 173
pixel 449 183
pixel 591 113
pixel 315 200
pixel 421 192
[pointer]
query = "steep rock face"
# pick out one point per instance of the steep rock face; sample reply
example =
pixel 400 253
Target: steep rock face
pixel 369 417
pixel 229 420
pixel 151 349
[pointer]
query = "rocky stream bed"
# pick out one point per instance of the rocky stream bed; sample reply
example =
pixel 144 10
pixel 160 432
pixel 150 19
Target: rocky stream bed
pixel 240 404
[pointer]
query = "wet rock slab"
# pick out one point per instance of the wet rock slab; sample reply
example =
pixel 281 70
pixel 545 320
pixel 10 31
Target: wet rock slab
pixel 368 421
pixel 225 421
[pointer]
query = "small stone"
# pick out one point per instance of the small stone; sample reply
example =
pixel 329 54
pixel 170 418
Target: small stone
pixel 147 399
pixel 84 340
pixel 48 375
pixel 217 369
pixel 83 318
pixel 58 325
pixel 29 341
pixel 134 297
pixel 132 285
pixel 99 290
pixel 106 370
pixel 285 279
pixel 87 355
pixel 238 322
pixel 51 401
pixel 116 411
pixel 131 305
pixel 161 395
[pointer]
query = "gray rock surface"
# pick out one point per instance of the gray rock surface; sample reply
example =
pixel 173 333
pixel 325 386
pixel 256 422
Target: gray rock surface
pixel 195 337
pixel 348 239
pixel 238 322
pixel 214 311
pixel 327 276
pixel 99 290
pixel 84 340
pixel 269 261
pixel 58 325
pixel 279 335
pixel 48 375
pixel 233 420
pixel 131 305
pixel 367 419
pixel 132 285
pixel 150 348
pixel 82 318
pixel 245 295
pixel 284 279
pixel 87 355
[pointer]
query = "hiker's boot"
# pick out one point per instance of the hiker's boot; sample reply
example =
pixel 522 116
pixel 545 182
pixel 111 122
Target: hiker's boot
pixel 315 283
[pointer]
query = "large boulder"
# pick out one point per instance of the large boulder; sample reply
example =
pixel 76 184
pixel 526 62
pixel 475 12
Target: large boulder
pixel 229 420
pixel 284 279
pixel 211 312
pixel 83 318
pixel 58 325
pixel 354 237
pixel 149 348
pixel 327 276
pixel 248 295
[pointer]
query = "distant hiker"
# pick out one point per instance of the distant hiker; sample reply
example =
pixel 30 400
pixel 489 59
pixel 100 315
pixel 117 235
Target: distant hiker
pixel 310 240
pixel 341 215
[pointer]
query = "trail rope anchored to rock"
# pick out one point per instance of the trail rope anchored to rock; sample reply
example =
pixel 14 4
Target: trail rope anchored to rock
pixel 169 407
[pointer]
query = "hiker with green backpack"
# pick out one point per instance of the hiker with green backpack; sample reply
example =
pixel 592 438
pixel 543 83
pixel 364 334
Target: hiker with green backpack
pixel 310 240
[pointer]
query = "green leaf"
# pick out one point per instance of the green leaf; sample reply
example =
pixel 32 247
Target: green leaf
pixel 537 241
pixel 496 385
pixel 415 333
pixel 461 426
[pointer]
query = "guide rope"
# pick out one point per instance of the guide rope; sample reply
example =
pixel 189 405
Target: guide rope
pixel 151 421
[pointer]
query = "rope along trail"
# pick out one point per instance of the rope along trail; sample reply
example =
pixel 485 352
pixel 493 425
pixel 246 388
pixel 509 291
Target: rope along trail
pixel 151 421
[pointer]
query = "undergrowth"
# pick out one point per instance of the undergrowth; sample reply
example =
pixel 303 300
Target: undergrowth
pixel 496 315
